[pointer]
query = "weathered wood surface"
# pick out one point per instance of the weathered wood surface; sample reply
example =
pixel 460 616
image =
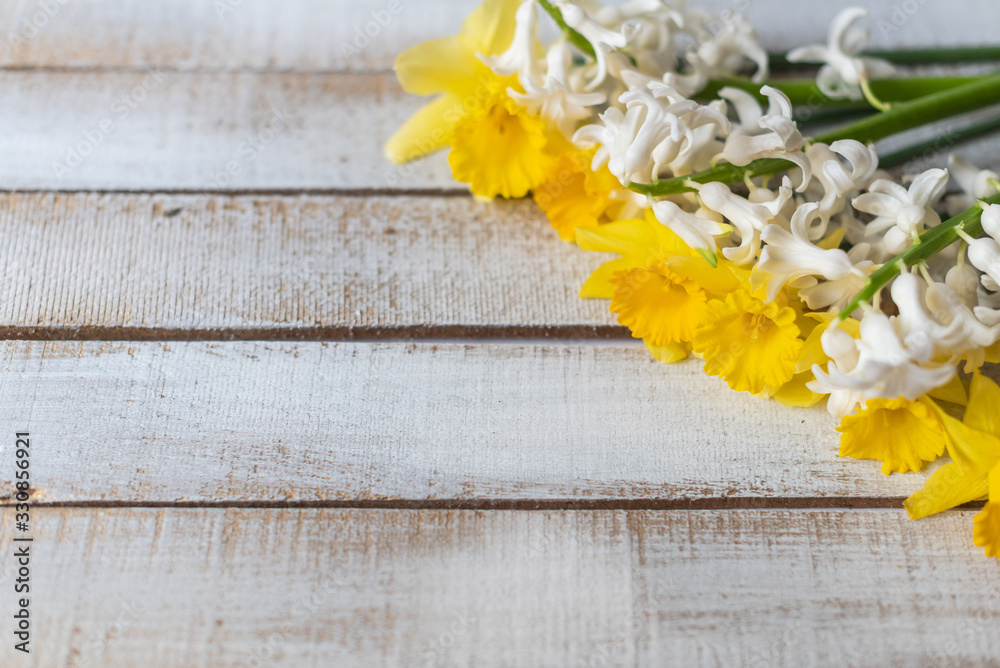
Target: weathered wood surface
pixel 112 266
pixel 368 422
pixel 183 96
pixel 317 588
pixel 308 35
pixel 165 131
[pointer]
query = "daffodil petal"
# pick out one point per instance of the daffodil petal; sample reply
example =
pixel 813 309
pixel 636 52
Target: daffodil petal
pixel 442 65
pixel 794 393
pixel 670 353
pixel 715 281
pixel 600 285
pixel 953 392
pixel 983 413
pixel 947 487
pixel 491 26
pixel 629 238
pixel 424 133
pixel 975 451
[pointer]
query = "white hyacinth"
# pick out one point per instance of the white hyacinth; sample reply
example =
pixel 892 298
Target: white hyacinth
pixel 901 213
pixel 656 129
pixel 765 135
pixel 883 363
pixel 555 100
pixel 791 256
pixel 843 71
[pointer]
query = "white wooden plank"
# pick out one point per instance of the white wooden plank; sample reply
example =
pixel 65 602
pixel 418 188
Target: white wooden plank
pixel 258 421
pixel 318 588
pixel 168 131
pixel 259 266
pixel 222 34
pixel 219 132
pixel 317 34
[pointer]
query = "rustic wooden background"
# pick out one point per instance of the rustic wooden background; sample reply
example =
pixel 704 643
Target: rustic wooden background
pixel 327 412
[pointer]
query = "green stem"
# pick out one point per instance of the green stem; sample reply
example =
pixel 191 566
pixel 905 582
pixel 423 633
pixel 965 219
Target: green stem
pixel 933 56
pixel 903 116
pixel 931 242
pixel 574 37
pixel 938 144
pixel 825 117
pixel 805 92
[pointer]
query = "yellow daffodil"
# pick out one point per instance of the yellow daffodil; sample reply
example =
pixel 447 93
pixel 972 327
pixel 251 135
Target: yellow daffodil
pixel 497 147
pixel 901 434
pixel 658 287
pixel 451 66
pixel 499 150
pixel 572 195
pixel 754 345
pixel 974 472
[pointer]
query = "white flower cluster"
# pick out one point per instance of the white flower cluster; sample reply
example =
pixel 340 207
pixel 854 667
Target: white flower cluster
pixel 635 43
pixel 822 231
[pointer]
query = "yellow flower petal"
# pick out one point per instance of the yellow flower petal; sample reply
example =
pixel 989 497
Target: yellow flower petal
pixel 601 284
pixel 638 240
pixel 901 434
pixel 986 529
pixel 949 486
pixel 717 282
pixel 975 467
pixel 953 392
pixel 658 305
pixel 794 393
pixel 491 26
pixel 442 65
pixel 425 132
pixel 983 413
pixel 498 149
pixel 975 451
pixel 572 196
pixel 833 241
pixel 752 345
pixel 670 353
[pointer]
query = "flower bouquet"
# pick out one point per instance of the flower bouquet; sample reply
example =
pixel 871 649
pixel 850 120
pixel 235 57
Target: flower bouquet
pixel 793 265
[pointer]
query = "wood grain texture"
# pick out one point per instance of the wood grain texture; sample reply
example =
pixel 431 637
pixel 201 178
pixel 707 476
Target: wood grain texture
pixel 318 588
pixel 205 132
pixel 316 34
pixel 112 266
pixel 360 422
